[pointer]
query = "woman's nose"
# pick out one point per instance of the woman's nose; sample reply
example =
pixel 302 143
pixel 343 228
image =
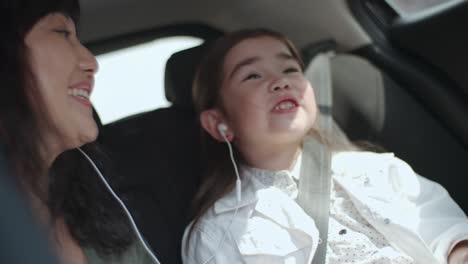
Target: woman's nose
pixel 87 61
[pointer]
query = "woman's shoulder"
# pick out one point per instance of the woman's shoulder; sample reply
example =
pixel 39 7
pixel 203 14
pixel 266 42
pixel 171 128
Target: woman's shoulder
pixel 135 254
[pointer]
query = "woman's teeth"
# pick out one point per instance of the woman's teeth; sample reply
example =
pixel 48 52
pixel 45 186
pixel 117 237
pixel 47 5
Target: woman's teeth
pixel 79 92
pixel 285 106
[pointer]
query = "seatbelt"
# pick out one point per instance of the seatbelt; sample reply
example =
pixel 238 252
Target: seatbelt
pixel 314 182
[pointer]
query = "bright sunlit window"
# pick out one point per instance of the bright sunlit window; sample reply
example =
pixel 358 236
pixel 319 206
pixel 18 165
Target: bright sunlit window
pixel 131 80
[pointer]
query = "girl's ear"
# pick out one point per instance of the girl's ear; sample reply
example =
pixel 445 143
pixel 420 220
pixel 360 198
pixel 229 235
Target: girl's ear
pixel 210 119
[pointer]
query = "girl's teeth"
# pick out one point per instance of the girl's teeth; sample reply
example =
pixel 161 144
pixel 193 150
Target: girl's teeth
pixel 284 106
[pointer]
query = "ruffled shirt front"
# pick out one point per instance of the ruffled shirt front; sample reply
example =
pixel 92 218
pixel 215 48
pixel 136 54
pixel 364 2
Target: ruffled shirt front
pixel 351 239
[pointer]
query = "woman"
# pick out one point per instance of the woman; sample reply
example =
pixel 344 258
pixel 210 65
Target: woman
pixel 45 113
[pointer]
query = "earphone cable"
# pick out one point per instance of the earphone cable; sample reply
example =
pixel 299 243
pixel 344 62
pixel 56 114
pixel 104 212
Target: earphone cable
pixel 132 222
pixel 238 196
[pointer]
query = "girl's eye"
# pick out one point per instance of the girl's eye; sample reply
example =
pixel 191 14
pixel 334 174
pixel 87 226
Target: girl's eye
pixel 64 32
pixel 291 70
pixel 252 76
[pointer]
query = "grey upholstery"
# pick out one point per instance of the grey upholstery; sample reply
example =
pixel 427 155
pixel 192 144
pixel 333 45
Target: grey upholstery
pixel 359 87
pixel 369 105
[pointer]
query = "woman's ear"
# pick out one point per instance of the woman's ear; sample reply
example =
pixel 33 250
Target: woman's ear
pixel 210 119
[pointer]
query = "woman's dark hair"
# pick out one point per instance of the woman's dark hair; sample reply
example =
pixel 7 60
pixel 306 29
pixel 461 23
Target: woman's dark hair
pixel 218 177
pixel 77 194
pixel 74 191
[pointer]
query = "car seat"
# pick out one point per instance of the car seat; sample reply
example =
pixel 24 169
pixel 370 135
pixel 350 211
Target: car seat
pixel 157 154
pixel 372 105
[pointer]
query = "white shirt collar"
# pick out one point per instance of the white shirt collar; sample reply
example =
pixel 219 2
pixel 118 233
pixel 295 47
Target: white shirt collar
pixel 285 180
pixel 254 179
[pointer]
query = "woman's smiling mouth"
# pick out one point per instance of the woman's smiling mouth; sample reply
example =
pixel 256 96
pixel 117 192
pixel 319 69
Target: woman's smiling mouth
pixel 81 92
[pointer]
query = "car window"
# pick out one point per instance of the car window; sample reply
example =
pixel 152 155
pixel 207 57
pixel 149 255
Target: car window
pixel 131 80
pixel 406 8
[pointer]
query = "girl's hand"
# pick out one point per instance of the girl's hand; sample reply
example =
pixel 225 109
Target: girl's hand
pixel 459 254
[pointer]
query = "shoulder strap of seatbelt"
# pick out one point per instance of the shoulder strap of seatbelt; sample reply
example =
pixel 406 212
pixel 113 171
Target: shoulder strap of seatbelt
pixel 314 183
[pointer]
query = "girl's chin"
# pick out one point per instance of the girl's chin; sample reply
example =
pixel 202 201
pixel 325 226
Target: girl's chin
pixel 291 136
pixel 292 130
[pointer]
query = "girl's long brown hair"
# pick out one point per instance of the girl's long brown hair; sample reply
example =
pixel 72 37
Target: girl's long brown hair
pixel 218 176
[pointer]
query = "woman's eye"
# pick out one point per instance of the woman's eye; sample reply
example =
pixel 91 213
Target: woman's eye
pixel 291 70
pixel 64 32
pixel 252 76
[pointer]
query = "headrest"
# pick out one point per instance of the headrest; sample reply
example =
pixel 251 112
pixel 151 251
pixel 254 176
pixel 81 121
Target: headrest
pixel 180 71
pixel 316 57
pixel 313 49
pixel 356 116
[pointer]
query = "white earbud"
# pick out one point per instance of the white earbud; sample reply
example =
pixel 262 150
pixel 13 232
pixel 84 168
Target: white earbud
pixel 222 128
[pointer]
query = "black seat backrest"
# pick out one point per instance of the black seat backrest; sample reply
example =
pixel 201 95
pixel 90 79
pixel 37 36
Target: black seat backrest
pixel 97 119
pixel 156 157
pixel 180 71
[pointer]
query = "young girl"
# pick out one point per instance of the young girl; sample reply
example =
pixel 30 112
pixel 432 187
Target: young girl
pixel 252 82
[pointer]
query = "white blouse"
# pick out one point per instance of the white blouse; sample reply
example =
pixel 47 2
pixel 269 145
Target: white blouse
pixel 270 227
pixel 351 239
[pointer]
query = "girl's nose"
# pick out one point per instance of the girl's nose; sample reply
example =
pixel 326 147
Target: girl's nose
pixel 280 84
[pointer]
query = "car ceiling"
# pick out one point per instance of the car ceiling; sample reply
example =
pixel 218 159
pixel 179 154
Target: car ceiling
pixel 303 21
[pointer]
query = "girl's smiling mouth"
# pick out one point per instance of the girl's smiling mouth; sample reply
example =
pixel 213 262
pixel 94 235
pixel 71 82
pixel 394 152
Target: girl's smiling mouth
pixel 285 105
